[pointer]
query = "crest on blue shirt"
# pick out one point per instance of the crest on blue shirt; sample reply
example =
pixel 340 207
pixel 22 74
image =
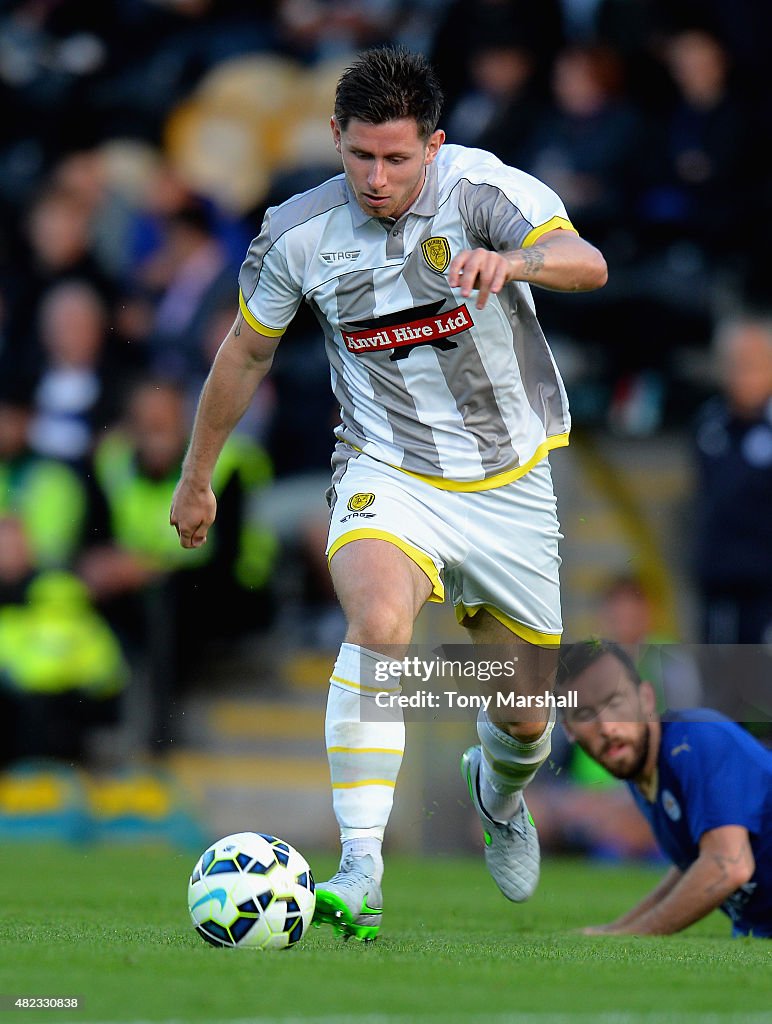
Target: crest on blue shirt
pixel 671 805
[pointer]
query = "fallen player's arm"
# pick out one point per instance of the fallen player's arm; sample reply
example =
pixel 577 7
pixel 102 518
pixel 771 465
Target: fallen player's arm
pixel 243 360
pixel 725 863
pixel 559 260
pixel 657 894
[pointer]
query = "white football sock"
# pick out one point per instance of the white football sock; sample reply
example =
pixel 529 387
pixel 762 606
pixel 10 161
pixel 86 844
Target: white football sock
pixel 363 846
pixel 364 756
pixel 508 765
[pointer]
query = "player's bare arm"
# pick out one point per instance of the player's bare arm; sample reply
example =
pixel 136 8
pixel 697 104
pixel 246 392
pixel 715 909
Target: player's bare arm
pixel 665 885
pixel 725 863
pixel 243 360
pixel 560 260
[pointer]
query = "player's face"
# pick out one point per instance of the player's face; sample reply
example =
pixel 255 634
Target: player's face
pixel 611 721
pixel 385 164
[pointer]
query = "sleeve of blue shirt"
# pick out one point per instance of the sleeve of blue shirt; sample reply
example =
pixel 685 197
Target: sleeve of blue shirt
pixel 715 764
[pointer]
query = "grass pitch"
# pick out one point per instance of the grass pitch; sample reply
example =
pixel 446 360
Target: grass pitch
pixel 111 927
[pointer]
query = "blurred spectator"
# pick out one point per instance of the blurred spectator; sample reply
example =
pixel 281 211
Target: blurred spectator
pixel 171 603
pixel 49 57
pixel 460 33
pixel 744 26
pixel 693 187
pixel 159 195
pixel 57 247
pixel 500 107
pixel 301 437
pixel 733 500
pixel 185 280
pixel 630 28
pixel 59 234
pixel 112 64
pixel 629 614
pixel 48 496
pixel 580 18
pixel 61 667
pixel 17 567
pixel 72 399
pixel 585 146
pixel 315 30
pixel 692 192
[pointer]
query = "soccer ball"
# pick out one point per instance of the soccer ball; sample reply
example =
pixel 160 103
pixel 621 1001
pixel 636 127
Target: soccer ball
pixel 251 890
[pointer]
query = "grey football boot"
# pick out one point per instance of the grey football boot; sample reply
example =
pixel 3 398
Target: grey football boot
pixel 351 901
pixel 511 849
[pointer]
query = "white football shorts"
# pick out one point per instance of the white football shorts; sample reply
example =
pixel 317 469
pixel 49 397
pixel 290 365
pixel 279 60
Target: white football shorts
pixel 495 549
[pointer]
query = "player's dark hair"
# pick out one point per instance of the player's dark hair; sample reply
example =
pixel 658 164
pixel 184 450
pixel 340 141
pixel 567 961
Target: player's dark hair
pixel 575 658
pixel 388 83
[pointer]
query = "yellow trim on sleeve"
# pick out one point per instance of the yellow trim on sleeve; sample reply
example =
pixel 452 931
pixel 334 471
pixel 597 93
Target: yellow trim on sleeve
pixel 532 636
pixel 420 558
pixel 499 479
pixel 254 323
pixel 364 782
pixel 551 225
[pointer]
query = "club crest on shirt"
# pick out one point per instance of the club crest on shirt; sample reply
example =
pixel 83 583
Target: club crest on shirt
pixel 671 805
pixel 360 501
pixel 436 252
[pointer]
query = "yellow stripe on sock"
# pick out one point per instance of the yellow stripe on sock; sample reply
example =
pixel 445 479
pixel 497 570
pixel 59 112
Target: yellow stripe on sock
pixel 361 686
pixel 363 782
pixel 364 750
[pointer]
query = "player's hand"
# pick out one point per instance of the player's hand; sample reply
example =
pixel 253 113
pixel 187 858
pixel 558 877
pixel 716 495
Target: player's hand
pixel 192 513
pixel 599 929
pixel 479 270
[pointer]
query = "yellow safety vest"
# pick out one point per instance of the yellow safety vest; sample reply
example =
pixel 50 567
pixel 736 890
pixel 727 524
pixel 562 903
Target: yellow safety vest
pixel 50 500
pixel 139 508
pixel 57 642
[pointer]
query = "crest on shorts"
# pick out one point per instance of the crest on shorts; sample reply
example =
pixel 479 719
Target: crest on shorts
pixel 359 501
pixel 436 252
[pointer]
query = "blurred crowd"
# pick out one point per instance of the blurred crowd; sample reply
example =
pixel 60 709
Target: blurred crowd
pixel 142 141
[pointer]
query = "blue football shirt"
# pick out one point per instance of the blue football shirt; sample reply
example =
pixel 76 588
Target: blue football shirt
pixel 712 772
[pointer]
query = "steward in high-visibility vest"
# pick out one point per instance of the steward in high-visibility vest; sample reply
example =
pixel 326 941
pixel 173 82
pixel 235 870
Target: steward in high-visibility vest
pixel 49 497
pixel 138 507
pixel 161 598
pixel 56 641
pixel 61 670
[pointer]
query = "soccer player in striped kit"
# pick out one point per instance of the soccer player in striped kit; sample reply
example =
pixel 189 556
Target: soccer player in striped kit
pixel 417 262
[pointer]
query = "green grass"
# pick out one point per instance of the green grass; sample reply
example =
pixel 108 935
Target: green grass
pixel 110 926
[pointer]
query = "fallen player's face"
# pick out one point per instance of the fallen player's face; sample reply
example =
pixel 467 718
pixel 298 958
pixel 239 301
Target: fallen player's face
pixel 610 722
pixel 385 164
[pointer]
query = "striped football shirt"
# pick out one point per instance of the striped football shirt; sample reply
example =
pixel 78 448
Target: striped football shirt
pixel 467 398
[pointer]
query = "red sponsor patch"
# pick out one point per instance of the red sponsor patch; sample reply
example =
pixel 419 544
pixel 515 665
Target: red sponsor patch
pixel 415 332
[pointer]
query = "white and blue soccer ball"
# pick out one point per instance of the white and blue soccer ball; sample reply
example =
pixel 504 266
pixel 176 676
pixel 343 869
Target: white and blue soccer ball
pixel 253 891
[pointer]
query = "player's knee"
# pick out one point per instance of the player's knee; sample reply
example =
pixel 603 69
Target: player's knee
pixel 379 623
